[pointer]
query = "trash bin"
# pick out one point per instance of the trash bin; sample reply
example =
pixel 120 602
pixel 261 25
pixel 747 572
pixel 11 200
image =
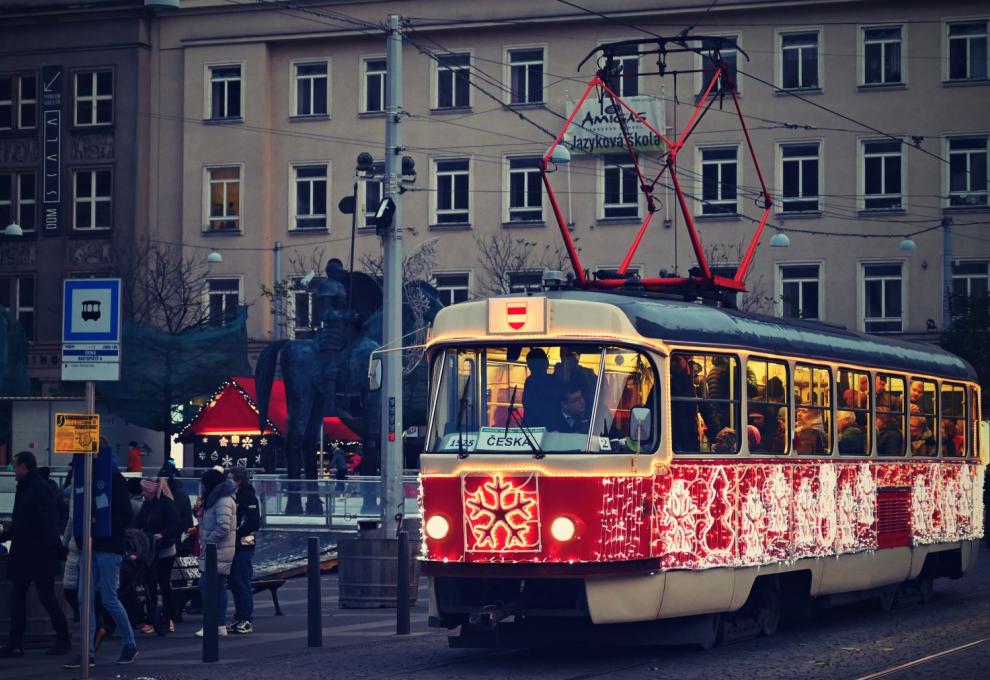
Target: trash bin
pixel 367 568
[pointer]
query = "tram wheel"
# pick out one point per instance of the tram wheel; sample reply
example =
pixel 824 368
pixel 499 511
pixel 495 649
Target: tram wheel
pixel 712 632
pixel 926 588
pixel 887 599
pixel 769 606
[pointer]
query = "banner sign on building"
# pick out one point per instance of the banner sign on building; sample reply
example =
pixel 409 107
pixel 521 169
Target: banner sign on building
pixel 51 137
pixel 596 127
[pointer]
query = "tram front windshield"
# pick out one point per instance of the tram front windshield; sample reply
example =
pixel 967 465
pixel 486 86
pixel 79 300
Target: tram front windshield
pixel 542 398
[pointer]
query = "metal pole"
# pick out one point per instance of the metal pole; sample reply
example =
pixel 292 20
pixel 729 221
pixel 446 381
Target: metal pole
pixel 350 266
pixel 211 634
pixel 392 317
pixel 277 289
pixel 86 592
pixel 946 273
pixel 315 606
pixel 402 587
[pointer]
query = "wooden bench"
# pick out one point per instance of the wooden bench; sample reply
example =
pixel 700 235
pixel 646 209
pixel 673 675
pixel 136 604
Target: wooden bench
pixel 185 587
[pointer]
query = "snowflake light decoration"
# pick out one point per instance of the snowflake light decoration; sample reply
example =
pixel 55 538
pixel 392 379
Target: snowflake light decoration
pixel 502 513
pixel 227 461
pixel 263 441
pixel 247 442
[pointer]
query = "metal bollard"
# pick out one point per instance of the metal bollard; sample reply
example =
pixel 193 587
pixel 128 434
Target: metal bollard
pixel 315 608
pixel 402 587
pixel 211 617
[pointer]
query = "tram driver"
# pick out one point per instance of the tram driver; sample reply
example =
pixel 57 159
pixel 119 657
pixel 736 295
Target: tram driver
pixel 573 416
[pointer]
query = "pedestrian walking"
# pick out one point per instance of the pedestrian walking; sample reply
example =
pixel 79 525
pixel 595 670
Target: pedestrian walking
pixel 34 553
pixel 108 552
pixel 217 524
pixel 242 568
pixel 159 520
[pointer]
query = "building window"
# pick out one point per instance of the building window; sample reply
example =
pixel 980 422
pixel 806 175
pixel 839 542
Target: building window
pixel 17 294
pixel 453 288
pixel 453 81
pixel 799 61
pixel 970 278
pixel 225 92
pixel 303 312
pixel 94 98
pixel 625 82
pixel 882 175
pixel 800 291
pixel 525 190
pixel 968 174
pixel 222 298
pixel 18 199
pixel 525 281
pixel 968 51
pixel 92 192
pixel 223 195
pixel 312 89
pixel 883 298
pixel 729 57
pixel 452 195
pixel 719 175
pixel 18 102
pixel 374 85
pixel 799 172
pixel 621 188
pixel 526 75
pixel 882 56
pixel 308 203
pixel 373 192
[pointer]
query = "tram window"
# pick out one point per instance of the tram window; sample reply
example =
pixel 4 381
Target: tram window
pixel 889 390
pixel 953 420
pixel 974 422
pixel 546 398
pixel 766 406
pixel 922 417
pixel 853 417
pixel 813 404
pixel 628 381
pixel 704 394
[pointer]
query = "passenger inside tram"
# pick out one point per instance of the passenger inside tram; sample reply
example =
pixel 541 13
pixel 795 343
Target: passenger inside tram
pixel 569 372
pixel 572 416
pixel 539 391
pixel 953 441
pixel 922 438
pixel 890 439
pixel 809 436
pixel 851 439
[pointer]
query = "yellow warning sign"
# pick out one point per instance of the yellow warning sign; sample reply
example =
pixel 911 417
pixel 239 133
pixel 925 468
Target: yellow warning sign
pixel 77 433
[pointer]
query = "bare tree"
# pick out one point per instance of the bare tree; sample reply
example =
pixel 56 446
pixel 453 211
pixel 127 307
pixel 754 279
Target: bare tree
pixel 757 297
pixel 164 289
pixel 501 253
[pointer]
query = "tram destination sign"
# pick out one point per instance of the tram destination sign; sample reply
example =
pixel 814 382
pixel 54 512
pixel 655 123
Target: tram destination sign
pixel 77 433
pixel 91 329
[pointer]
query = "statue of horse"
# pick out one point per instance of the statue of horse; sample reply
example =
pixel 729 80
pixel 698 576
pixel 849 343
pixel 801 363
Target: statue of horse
pixel 327 375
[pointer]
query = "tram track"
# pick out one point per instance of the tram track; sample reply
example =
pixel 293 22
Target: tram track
pixel 893 670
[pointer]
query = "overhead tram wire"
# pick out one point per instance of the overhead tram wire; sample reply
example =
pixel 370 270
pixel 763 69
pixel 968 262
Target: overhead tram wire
pixel 505 106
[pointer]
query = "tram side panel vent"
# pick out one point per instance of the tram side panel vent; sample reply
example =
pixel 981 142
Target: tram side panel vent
pixel 893 518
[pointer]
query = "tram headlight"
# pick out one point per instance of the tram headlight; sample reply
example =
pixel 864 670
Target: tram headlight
pixel 562 529
pixel 437 527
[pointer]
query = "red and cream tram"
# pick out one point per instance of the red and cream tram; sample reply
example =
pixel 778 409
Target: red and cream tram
pixel 605 458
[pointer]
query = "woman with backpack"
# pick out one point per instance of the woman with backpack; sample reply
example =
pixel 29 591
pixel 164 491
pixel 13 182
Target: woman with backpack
pixel 159 519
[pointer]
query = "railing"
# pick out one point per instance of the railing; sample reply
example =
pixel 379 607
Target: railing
pixel 331 503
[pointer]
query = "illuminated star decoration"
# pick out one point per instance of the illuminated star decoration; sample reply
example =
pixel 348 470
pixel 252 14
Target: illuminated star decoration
pixel 503 515
pixel 223 441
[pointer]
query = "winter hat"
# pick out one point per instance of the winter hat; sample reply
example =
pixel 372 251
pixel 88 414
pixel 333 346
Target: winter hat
pixel 210 480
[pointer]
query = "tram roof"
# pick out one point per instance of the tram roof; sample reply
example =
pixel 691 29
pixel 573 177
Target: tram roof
pixel 685 322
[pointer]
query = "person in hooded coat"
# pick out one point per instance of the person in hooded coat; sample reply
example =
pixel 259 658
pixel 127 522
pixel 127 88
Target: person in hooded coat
pixel 217 524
